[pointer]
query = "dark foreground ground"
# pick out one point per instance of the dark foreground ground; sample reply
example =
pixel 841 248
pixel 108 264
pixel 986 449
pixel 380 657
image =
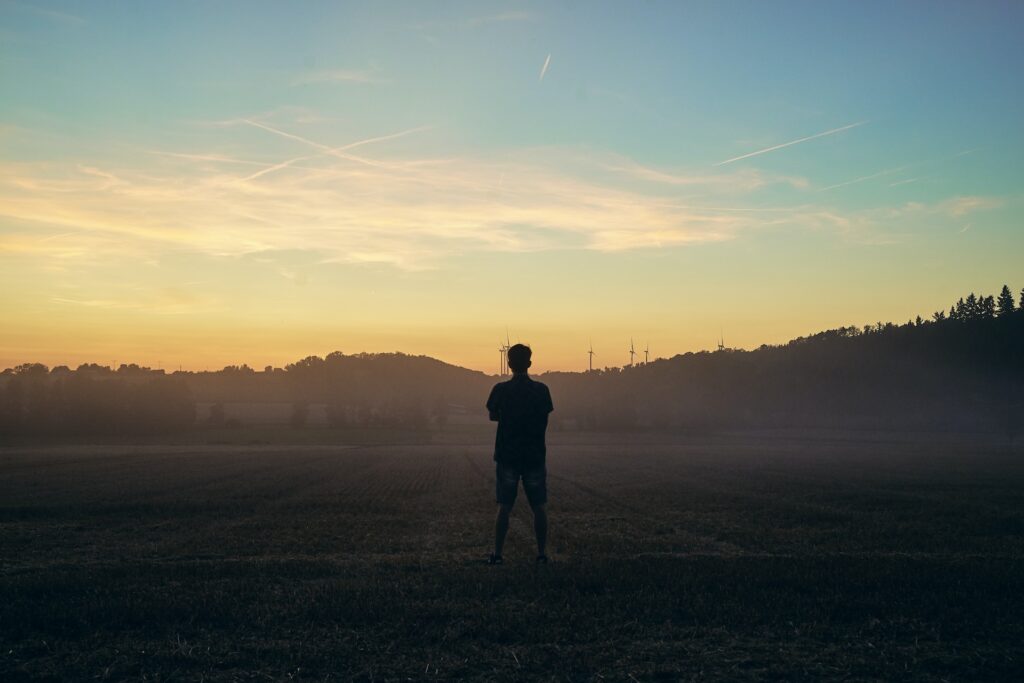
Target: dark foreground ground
pixel 729 557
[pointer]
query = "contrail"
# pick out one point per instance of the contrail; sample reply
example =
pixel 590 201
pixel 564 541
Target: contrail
pixel 544 69
pixel 866 177
pixel 791 142
pixel 284 134
pixel 904 182
pixel 276 167
pixel 381 138
pixel 335 151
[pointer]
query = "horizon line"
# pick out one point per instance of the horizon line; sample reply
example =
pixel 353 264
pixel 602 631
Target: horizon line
pixel 116 366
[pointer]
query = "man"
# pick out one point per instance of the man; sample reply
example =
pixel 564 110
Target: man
pixel 520 406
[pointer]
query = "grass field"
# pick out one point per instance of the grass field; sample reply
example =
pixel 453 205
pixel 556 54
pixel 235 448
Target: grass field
pixel 742 557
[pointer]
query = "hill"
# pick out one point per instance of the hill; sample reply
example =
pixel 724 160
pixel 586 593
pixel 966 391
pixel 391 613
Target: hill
pixel 961 371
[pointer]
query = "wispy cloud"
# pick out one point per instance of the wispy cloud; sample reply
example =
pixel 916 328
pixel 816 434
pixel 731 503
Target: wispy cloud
pixel 160 300
pixel 544 69
pixel 358 76
pixel 745 180
pixel 791 143
pixel 215 158
pixel 960 206
pixel 288 114
pixel 52 15
pixel 511 16
pixel 501 18
pixel 405 211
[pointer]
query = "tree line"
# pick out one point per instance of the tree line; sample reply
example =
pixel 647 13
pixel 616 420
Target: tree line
pixel 93 399
pixel 958 370
pixel 964 371
pixel 982 307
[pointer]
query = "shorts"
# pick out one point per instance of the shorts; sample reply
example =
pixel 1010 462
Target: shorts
pixel 535 483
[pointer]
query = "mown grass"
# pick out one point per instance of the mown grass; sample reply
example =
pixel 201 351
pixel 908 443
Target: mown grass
pixel 685 562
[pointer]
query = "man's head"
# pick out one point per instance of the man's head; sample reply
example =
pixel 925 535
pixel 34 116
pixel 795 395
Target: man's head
pixel 519 358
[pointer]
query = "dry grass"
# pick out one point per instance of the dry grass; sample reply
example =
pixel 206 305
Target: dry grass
pixel 743 557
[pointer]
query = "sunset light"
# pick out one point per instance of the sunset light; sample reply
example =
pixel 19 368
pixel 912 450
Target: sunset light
pixel 201 184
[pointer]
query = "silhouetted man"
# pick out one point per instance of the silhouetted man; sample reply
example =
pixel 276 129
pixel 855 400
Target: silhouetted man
pixel 520 406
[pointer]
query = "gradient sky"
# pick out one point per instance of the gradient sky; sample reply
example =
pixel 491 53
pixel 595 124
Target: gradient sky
pixel 202 183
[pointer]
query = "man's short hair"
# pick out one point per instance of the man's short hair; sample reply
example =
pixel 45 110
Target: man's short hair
pixel 519 357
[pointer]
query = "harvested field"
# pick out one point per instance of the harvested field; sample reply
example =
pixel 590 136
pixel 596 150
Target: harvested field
pixel 743 557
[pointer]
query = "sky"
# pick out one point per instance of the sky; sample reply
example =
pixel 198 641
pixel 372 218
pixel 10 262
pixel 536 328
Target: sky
pixel 196 184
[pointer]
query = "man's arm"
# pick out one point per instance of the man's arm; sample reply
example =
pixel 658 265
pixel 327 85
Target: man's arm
pixel 492 404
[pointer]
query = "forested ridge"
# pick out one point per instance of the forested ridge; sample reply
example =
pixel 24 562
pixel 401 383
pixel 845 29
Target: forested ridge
pixel 961 369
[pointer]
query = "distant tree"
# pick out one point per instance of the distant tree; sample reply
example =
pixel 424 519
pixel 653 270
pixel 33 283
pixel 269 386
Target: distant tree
pixel 300 412
pixel 94 368
pixel 440 411
pixel 1005 302
pixel 939 316
pixel 337 415
pixel 971 310
pixel 918 321
pixel 986 307
pixel 309 363
pixel 31 370
pixel 216 416
pixel 153 405
pixel 959 311
pixel 1020 302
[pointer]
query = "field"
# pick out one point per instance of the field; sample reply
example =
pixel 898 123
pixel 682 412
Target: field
pixel 733 556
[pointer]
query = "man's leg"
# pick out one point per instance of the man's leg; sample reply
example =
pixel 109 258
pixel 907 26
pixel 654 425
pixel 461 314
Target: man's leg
pixel 535 483
pixel 540 527
pixel 501 528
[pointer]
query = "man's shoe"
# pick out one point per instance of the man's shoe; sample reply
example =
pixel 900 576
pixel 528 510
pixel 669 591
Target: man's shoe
pixel 495 559
pixel 542 559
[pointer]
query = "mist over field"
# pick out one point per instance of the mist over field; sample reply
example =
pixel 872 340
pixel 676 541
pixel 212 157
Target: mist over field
pixel 810 555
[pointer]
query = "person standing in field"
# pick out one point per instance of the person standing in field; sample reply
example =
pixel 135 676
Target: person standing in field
pixel 520 406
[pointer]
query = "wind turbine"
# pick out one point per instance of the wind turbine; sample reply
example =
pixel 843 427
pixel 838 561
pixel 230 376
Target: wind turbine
pixel 508 345
pixel 632 352
pixel 721 341
pixel 591 354
pixel 647 350
pixel 501 356
pixel 503 351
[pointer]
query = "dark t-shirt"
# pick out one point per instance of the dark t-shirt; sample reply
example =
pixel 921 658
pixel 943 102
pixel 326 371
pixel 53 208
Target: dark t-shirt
pixel 521 406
